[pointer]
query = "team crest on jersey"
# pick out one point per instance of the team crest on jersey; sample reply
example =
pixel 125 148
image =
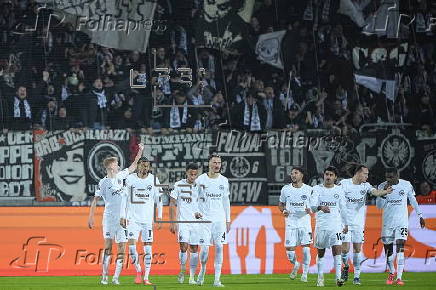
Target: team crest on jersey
pixel 336 196
pixel 221 187
pixel 149 188
pixel 401 192
pixel 304 197
pixel 363 192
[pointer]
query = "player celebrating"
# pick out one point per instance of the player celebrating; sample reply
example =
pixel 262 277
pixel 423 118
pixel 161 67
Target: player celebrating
pixel 138 214
pixel 356 191
pixel 395 220
pixel 294 204
pixel 214 205
pixel 185 196
pixel 111 189
pixel 328 201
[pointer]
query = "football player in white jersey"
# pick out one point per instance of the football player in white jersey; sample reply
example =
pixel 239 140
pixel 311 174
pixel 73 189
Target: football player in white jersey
pixel 185 197
pixel 328 201
pixel 111 189
pixel 396 220
pixel 214 205
pixel 356 192
pixel 295 207
pixel 137 214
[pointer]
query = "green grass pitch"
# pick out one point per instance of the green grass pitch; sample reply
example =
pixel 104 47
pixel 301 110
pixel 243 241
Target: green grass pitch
pixel 264 282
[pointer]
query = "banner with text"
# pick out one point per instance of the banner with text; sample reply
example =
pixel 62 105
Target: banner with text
pixel 16 165
pixel 243 163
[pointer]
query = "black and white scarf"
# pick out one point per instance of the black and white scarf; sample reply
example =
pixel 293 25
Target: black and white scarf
pixel 22 109
pixel 101 98
pixel 175 115
pixel 268 103
pixel 252 118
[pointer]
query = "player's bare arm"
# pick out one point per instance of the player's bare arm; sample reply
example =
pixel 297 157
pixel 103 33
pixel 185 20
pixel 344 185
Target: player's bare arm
pixel 132 166
pixel 381 192
pixel 92 211
pixel 283 210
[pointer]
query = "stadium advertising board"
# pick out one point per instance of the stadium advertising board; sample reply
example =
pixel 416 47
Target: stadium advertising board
pixel 56 241
pixel 16 165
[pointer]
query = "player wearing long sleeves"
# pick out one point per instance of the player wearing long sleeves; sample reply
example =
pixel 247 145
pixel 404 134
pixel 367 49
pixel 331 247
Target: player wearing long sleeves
pixel 214 205
pixel 295 207
pixel 184 201
pixel 328 201
pixel 356 191
pixel 111 190
pixel 396 220
pixel 137 214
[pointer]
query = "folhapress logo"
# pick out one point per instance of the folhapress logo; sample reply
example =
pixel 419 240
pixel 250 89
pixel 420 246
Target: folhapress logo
pixel 37 255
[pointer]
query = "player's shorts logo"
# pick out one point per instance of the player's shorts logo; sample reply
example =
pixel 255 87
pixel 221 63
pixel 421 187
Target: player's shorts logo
pixel 131 234
pixel 336 196
pixel 98 153
pixel 108 234
pixel 304 197
pixel 429 167
pixel 201 241
pixel 239 167
pixel 395 151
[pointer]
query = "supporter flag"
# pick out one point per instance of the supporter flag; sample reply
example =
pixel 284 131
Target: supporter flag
pixel 378 68
pixel 269 48
pixel 381 20
pixel 223 24
pixel 117 24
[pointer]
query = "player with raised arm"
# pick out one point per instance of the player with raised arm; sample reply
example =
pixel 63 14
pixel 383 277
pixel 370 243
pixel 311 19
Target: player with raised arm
pixel 396 220
pixel 185 197
pixel 295 207
pixel 111 189
pixel 137 215
pixel 328 201
pixel 214 205
pixel 356 192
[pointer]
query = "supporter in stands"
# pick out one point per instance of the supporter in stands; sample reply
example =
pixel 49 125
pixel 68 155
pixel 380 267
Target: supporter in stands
pixel 426 194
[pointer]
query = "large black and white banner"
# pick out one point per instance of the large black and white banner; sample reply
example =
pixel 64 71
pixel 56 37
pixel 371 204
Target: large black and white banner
pixel 284 150
pixel 223 23
pixel 171 153
pixel 426 161
pixel 16 165
pixel 111 23
pixel 69 165
pixel 244 164
pixel 269 48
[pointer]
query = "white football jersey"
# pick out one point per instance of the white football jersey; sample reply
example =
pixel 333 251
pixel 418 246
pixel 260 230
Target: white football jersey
pixel 211 196
pixel 112 191
pixel 395 213
pixel 142 194
pixel 334 198
pixel 296 201
pixel 355 198
pixel 186 195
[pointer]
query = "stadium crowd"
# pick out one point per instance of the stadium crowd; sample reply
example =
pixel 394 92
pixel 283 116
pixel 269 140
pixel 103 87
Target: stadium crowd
pixel 63 81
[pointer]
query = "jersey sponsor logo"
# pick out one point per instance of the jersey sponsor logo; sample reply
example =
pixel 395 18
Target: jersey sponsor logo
pixel 328 203
pixel 142 195
pixel 98 153
pixel 396 151
pixel 356 200
pixel 395 201
pixel 213 195
pixel 186 199
pixel 296 203
pixel 239 167
pixel 336 196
